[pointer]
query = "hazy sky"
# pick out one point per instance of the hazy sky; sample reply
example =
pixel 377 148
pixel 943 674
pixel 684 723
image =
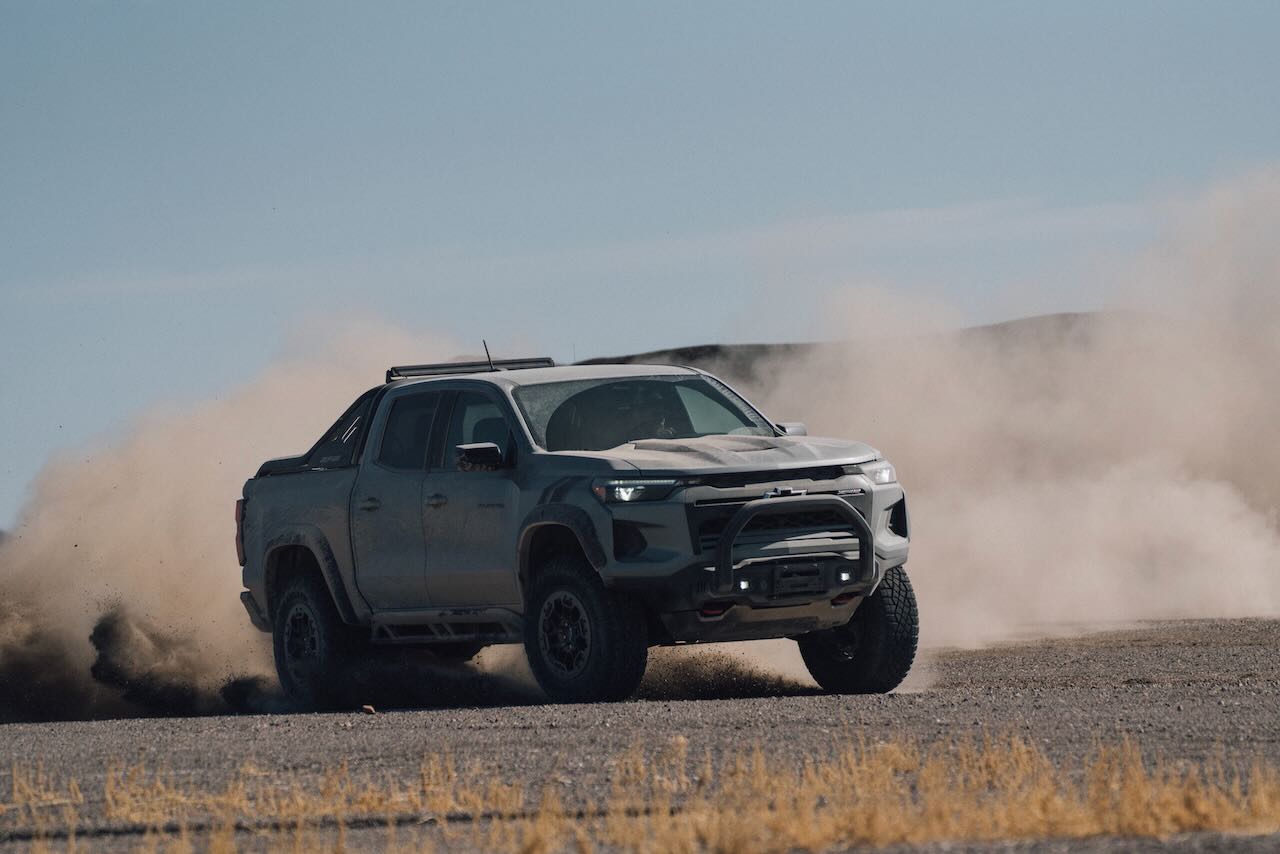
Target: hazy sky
pixel 185 187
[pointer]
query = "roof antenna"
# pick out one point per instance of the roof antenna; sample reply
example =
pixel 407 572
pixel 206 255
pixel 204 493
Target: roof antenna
pixel 486 354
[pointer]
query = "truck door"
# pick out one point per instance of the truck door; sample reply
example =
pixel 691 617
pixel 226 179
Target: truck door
pixel 386 504
pixel 470 515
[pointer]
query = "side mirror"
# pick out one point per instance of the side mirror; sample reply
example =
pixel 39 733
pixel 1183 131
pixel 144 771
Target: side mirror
pixel 480 456
pixel 793 428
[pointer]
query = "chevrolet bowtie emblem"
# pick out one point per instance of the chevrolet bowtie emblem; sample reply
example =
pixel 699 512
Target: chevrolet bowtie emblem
pixel 783 492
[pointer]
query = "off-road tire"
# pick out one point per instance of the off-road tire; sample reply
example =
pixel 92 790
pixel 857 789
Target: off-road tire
pixel 312 645
pixel 613 663
pixel 873 652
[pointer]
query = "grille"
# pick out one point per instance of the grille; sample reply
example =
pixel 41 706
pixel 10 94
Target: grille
pixel 709 522
pixel 749 478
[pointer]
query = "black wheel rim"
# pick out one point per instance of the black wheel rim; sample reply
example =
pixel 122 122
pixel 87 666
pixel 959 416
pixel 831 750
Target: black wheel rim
pixel 301 642
pixel 564 634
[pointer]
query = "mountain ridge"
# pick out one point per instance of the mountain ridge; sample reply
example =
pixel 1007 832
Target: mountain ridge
pixel 742 358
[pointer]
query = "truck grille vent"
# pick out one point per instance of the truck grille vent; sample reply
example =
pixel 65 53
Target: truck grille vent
pixel 711 522
pixel 747 478
pixel 628 540
pixel 898 518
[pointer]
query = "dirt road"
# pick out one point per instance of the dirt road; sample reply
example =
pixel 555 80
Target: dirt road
pixel 1184 691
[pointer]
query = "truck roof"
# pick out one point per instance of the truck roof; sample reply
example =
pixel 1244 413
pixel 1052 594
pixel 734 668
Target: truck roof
pixel 559 373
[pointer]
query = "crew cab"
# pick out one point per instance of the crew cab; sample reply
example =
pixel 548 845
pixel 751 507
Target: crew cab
pixel 586 512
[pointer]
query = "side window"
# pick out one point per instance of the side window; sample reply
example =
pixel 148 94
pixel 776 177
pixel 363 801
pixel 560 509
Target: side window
pixel 476 418
pixel 337 447
pixel 708 416
pixel 404 441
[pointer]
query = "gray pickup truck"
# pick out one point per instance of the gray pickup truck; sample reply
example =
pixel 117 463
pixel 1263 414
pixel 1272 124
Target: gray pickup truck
pixel 588 512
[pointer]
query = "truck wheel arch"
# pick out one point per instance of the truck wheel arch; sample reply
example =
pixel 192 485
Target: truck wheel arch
pixel 303 551
pixel 553 529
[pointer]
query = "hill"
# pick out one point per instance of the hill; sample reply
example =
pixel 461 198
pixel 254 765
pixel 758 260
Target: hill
pixel 740 360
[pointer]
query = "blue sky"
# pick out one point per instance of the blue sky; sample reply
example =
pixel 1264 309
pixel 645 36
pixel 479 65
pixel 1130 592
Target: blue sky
pixel 183 187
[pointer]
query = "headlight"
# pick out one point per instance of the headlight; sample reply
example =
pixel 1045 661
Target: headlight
pixel 880 472
pixel 625 491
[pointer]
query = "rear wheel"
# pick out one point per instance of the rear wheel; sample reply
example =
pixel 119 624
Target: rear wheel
pixel 873 652
pixel 311 644
pixel 585 643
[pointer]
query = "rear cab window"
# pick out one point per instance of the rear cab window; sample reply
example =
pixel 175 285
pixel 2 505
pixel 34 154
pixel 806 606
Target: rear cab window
pixel 338 446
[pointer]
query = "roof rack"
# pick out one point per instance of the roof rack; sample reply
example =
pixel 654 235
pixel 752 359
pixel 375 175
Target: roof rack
pixel 401 372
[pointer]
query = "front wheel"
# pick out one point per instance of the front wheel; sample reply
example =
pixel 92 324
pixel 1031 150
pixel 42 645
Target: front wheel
pixel 873 652
pixel 585 643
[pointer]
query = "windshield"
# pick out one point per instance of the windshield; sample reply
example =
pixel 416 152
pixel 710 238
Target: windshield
pixel 594 415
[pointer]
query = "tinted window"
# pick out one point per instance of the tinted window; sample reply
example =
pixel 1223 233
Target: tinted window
pixel 708 416
pixel 338 446
pixel 594 415
pixel 476 418
pixel 404 441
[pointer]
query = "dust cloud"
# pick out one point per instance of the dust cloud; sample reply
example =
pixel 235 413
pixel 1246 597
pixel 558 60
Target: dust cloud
pixel 1079 469
pixel 1067 470
pixel 119 590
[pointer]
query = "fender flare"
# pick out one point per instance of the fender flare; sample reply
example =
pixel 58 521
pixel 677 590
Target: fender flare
pixel 566 516
pixel 311 538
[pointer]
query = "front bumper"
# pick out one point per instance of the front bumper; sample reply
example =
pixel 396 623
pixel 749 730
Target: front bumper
pixel 689 610
pixel 744 622
pixel 826 567
pixel 756 586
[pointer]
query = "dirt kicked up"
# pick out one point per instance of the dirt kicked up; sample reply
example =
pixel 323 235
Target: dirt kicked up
pixel 1101 467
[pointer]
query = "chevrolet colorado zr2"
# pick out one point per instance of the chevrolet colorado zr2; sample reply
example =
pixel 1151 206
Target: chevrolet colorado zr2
pixel 588 512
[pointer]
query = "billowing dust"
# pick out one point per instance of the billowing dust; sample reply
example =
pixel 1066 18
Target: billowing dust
pixel 1065 471
pixel 119 585
pixel 1079 469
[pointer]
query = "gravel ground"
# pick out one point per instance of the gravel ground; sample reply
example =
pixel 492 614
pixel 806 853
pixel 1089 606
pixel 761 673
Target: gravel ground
pixel 1186 690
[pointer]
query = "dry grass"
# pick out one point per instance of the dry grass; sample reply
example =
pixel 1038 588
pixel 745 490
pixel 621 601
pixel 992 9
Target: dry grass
pixel 666 800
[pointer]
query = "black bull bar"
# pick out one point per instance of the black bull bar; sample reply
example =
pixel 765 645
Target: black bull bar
pixel 785 504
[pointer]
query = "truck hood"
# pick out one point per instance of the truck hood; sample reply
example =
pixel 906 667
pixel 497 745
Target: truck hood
pixel 754 453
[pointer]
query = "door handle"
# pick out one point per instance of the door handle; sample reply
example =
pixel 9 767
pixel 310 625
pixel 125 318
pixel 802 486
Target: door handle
pixel 370 504
pixel 437 500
